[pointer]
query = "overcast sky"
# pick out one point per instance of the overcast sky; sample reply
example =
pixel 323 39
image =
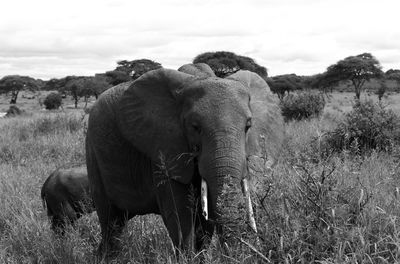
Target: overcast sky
pixel 56 38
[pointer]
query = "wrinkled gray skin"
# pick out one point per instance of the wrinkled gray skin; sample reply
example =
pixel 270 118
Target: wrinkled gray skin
pixel 65 193
pixel 149 142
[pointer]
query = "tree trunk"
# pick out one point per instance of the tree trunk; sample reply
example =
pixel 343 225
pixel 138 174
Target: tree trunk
pixel 14 96
pixel 358 86
pixel 357 94
pixel 86 101
pixel 76 101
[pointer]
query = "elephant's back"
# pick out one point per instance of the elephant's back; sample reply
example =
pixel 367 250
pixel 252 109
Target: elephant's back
pixel 74 181
pixel 53 191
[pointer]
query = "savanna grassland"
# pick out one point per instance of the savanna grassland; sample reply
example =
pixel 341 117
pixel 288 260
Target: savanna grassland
pixel 336 208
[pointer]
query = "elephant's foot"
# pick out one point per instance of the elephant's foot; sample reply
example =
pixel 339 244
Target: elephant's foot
pixel 110 245
pixel 58 224
pixel 203 234
pixel 108 250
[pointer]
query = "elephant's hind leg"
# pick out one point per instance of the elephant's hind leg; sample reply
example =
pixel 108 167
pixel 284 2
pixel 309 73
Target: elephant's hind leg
pixel 58 224
pixel 61 215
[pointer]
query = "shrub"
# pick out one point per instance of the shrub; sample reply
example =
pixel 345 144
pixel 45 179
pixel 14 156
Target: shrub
pixel 53 101
pixel 302 105
pixel 367 126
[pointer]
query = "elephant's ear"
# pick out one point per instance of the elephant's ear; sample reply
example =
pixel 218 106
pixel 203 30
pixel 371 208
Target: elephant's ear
pixel 149 117
pixel 201 70
pixel 266 135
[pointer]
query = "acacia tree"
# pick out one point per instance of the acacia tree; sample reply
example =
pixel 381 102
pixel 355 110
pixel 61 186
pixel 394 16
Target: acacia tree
pixel 321 82
pixel 97 85
pixel 393 75
pixel 116 77
pixel 17 83
pixel 282 84
pixel 224 63
pixel 85 86
pixel 137 68
pixel 72 85
pixel 130 70
pixel 356 69
pixel 90 86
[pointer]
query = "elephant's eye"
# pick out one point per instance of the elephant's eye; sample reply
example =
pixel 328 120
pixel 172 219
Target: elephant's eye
pixel 248 124
pixel 196 128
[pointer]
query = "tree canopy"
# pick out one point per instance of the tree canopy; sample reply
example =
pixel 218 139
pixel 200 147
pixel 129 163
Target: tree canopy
pixel 285 83
pixel 130 70
pixel 321 82
pixel 224 63
pixel 90 86
pixel 84 86
pixel 73 85
pixel 393 75
pixel 137 68
pixel 356 69
pixel 116 77
pixel 17 83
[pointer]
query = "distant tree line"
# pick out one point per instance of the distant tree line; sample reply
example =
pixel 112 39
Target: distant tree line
pixel 78 86
pixel 353 71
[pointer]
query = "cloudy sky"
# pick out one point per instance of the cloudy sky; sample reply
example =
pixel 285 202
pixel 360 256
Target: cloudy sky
pixel 55 38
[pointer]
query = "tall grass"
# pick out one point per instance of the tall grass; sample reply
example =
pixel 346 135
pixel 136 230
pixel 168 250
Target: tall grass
pixel 337 209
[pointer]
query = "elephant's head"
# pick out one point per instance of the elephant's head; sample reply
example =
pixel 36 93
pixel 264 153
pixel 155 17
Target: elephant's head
pixel 220 122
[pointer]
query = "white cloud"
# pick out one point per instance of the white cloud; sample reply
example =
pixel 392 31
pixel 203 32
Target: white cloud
pixel 46 38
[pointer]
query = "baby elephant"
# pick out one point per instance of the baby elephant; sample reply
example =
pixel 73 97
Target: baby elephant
pixel 66 195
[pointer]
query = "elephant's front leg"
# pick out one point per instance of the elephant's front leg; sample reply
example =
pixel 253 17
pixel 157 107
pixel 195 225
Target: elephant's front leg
pixel 175 202
pixel 112 221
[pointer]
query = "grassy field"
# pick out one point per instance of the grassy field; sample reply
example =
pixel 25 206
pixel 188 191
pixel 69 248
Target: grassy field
pixel 343 102
pixel 29 101
pixel 340 209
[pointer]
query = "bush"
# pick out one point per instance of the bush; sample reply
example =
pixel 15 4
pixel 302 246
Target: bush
pixel 53 101
pixel 302 105
pixel 367 126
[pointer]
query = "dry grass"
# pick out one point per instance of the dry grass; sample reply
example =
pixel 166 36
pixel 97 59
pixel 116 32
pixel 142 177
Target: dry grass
pixel 29 101
pixel 340 209
pixel 343 102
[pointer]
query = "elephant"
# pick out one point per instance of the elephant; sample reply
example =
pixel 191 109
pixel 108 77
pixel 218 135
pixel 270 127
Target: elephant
pixel 153 142
pixel 66 195
pixel 199 69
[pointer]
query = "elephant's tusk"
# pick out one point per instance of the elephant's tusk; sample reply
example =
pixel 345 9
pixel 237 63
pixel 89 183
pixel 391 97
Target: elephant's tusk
pixel 249 206
pixel 204 202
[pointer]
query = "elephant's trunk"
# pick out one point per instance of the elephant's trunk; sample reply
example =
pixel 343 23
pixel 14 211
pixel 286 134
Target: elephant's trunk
pixel 222 167
pixel 223 170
